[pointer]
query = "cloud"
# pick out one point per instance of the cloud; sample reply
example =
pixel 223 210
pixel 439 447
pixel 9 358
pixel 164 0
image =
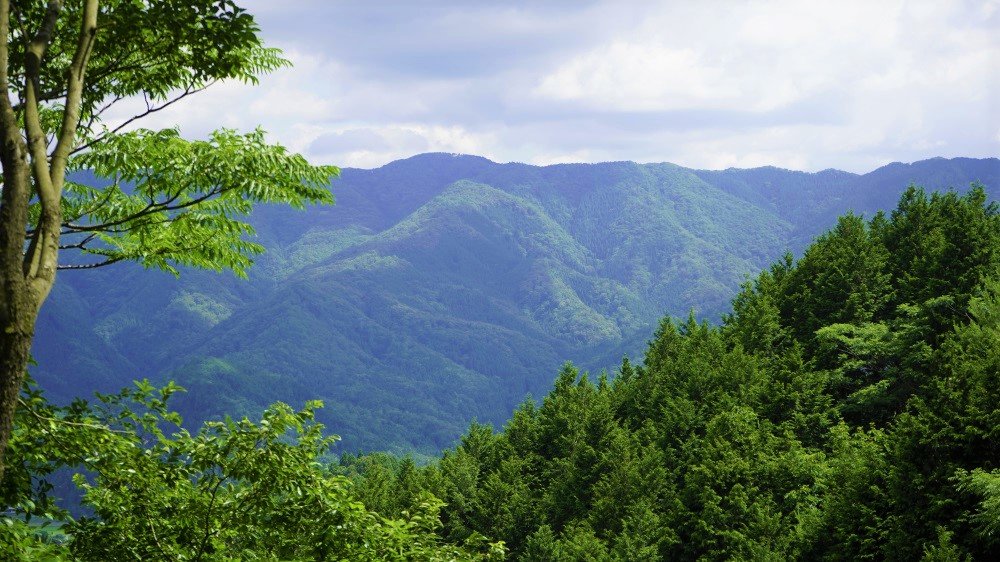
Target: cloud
pixel 637 76
pixel 373 146
pixel 710 84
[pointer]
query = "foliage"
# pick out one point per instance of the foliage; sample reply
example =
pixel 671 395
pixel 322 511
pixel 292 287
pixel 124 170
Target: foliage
pixel 846 410
pixel 173 202
pixel 446 288
pixel 233 490
pixel 152 197
pixel 169 202
pixel 150 49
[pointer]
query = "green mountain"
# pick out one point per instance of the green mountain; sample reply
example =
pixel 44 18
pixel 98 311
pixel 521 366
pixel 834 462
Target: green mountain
pixel 443 288
pixel 846 409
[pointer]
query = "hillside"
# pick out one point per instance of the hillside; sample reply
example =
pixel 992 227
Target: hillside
pixel 847 409
pixel 443 288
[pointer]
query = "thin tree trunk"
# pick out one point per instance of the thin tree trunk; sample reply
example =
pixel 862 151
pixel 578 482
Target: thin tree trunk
pixel 17 319
pixel 14 351
pixel 18 309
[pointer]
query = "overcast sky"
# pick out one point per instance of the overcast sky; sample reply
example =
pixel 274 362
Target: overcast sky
pixel 850 85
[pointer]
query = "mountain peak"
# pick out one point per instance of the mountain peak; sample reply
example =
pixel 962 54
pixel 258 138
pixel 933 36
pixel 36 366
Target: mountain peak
pixel 448 157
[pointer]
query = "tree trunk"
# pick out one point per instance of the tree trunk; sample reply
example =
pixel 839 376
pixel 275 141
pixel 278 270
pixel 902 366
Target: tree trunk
pixel 27 277
pixel 18 309
pixel 14 351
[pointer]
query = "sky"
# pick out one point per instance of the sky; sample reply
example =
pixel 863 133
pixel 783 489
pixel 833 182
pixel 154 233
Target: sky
pixel 703 84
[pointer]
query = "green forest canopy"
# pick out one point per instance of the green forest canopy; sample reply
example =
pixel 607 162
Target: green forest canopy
pixel 847 408
pixel 442 288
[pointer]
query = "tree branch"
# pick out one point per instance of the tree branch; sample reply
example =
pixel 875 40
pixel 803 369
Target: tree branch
pixel 27 408
pixel 50 172
pixel 163 206
pixel 81 245
pixel 16 184
pixel 150 110
pixel 104 263
pixel 40 259
pixel 74 93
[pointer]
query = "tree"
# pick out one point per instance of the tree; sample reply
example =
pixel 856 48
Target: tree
pixel 841 278
pixel 234 490
pixel 155 199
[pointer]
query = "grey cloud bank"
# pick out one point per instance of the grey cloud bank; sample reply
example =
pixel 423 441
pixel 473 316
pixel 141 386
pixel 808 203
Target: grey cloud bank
pixel 801 85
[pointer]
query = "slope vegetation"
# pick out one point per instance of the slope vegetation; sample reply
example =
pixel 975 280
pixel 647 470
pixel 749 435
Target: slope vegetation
pixel 444 288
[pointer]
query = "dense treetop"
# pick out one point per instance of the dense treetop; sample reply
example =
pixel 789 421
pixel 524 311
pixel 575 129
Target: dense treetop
pixel 847 409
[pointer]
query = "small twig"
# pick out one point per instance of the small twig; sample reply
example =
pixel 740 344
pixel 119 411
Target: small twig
pixel 107 262
pixel 27 408
pixel 148 210
pixel 187 92
pixel 79 245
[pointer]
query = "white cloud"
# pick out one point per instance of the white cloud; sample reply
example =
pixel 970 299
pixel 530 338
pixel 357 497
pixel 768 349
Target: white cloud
pixel 371 146
pixel 706 84
pixel 637 76
pixel 547 158
pixel 764 56
pixel 283 102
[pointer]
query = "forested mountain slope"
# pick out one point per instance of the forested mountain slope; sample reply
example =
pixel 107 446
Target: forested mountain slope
pixel 847 409
pixel 444 288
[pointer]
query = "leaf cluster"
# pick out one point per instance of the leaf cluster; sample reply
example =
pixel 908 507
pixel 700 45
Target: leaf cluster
pixel 235 490
pixel 171 202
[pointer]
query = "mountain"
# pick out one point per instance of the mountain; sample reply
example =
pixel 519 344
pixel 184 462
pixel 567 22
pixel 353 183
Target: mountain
pixel 443 288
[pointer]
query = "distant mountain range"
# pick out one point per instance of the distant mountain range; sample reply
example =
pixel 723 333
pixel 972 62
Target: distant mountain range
pixel 443 288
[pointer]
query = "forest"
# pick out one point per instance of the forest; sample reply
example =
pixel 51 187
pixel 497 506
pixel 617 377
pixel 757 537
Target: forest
pixel 847 408
pixel 441 289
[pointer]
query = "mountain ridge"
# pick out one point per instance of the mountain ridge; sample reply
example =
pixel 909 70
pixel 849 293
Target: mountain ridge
pixel 443 288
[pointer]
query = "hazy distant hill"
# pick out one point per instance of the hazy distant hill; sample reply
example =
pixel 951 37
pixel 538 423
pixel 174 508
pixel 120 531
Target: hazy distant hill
pixel 443 288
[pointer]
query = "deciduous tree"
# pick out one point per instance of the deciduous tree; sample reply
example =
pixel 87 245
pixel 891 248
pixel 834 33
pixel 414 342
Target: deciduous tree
pixel 157 199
